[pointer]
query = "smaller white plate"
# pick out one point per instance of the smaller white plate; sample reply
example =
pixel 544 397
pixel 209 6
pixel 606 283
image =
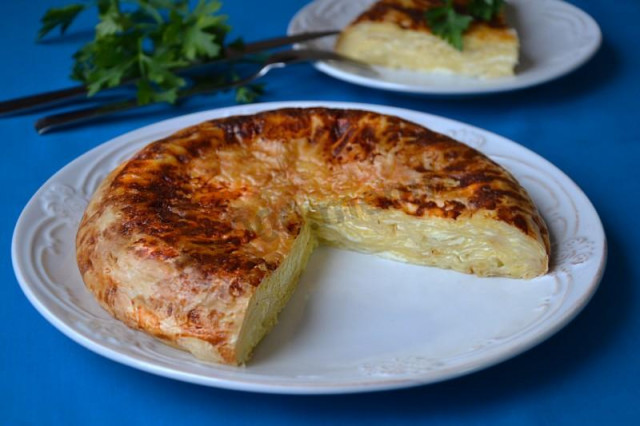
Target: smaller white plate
pixel 555 37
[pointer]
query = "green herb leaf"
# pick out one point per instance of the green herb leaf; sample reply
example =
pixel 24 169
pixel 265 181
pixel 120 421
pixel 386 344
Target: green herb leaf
pixel 206 8
pixel 485 10
pixel 448 24
pixel 112 21
pixel 148 94
pixel 249 93
pixel 199 43
pixel 146 42
pixel 59 17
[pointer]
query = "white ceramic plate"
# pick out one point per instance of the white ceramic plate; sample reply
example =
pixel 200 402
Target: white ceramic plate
pixel 555 38
pixel 357 322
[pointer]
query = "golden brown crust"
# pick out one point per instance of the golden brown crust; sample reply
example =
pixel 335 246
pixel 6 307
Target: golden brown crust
pixel 410 15
pixel 176 240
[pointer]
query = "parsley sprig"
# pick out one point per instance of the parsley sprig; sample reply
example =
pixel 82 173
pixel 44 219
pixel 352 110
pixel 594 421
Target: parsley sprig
pixel 146 41
pixel 450 25
pixel 485 10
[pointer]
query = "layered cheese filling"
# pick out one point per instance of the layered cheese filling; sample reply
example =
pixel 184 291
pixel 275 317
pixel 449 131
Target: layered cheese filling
pixel 479 245
pixel 485 55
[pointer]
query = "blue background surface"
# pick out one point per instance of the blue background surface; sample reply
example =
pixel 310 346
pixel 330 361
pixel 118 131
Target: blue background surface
pixel 586 123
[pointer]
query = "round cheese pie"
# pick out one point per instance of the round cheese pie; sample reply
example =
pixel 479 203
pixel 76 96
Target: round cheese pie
pixel 199 239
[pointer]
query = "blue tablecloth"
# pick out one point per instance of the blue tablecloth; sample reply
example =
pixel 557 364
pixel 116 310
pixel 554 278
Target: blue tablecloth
pixel 586 123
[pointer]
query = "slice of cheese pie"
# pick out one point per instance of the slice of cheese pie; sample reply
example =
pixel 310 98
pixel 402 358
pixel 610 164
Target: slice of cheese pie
pixel 395 34
pixel 200 238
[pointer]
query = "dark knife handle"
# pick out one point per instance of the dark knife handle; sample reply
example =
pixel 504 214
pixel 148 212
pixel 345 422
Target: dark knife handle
pixel 41 100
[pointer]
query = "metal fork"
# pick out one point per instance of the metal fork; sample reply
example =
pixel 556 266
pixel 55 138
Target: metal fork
pixel 276 60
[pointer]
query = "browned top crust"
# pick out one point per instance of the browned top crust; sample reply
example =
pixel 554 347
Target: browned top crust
pixel 410 15
pixel 222 202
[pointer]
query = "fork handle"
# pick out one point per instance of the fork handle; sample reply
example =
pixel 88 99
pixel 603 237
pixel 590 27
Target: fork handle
pixel 65 119
pixel 46 99
pixel 57 121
